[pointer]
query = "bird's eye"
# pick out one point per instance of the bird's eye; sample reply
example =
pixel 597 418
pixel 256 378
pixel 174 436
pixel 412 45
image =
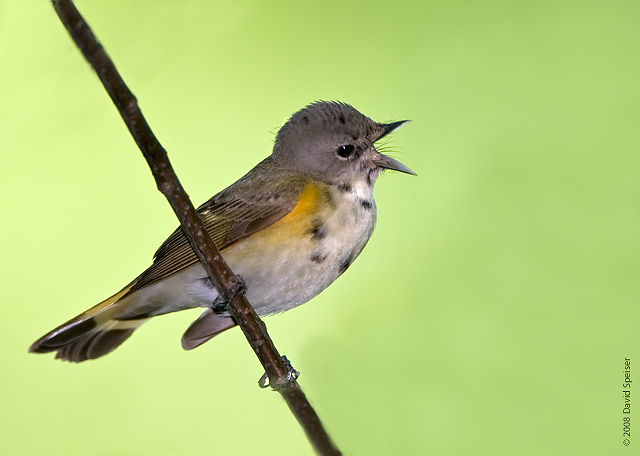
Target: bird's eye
pixel 345 151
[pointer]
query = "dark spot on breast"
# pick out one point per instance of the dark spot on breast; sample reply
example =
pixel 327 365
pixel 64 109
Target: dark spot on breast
pixel 345 188
pixel 318 258
pixel 319 231
pixel 344 264
pixel 366 204
pixel 305 119
pixel 342 119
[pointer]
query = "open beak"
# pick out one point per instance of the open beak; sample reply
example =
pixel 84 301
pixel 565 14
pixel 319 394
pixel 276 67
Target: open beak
pixel 384 161
pixel 390 127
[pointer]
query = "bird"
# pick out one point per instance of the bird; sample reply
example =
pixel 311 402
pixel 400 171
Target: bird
pixel 288 228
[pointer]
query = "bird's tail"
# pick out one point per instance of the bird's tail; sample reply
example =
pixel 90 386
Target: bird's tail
pixel 91 334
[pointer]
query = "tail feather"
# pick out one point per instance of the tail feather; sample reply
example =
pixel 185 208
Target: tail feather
pixel 96 343
pixel 204 328
pixel 91 334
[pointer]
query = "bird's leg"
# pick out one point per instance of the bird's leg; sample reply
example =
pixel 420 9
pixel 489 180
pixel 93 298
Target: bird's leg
pixel 220 305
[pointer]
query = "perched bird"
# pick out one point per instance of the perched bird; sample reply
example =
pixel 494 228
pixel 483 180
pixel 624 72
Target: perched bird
pixel 289 228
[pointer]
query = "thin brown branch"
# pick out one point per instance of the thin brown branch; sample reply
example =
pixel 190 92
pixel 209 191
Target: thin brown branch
pixel 279 371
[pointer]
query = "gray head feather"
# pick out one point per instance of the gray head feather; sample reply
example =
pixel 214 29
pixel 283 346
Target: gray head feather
pixel 330 141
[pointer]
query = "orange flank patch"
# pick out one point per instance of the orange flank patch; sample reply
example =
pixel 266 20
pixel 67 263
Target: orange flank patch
pixel 311 200
pixel 287 231
pixel 298 221
pixel 308 202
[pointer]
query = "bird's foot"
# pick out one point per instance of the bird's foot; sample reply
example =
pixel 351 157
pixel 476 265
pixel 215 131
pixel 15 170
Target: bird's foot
pixel 220 305
pixel 292 376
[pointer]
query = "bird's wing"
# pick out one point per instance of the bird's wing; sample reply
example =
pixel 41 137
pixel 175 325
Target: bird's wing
pixel 246 207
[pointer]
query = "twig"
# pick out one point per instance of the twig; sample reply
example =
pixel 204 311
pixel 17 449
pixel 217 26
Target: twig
pixel 282 378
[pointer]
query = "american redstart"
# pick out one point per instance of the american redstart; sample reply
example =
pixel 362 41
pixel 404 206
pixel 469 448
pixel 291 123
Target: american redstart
pixel 289 228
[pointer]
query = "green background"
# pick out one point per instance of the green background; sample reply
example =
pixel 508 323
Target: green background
pixel 490 313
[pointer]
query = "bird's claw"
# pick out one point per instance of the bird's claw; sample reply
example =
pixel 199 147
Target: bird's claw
pixel 292 376
pixel 220 305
